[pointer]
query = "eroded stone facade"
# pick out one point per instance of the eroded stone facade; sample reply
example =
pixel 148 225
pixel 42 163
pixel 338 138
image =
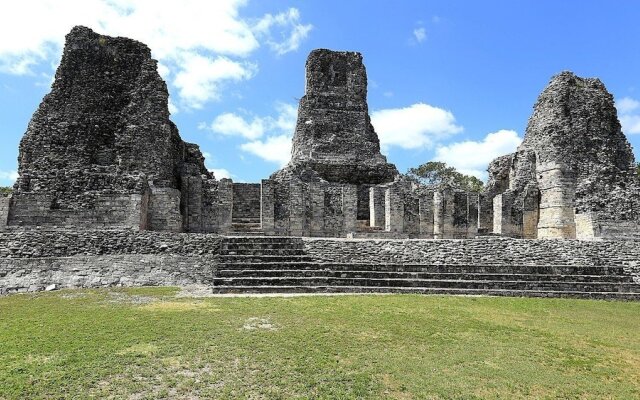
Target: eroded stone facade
pixel 334 140
pixel 100 151
pixel 574 174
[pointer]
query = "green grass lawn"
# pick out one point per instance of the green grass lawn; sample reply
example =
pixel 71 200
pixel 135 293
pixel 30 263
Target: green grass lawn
pixel 146 343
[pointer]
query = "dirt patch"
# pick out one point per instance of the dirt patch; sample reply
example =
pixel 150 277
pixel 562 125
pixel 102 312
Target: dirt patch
pixel 255 323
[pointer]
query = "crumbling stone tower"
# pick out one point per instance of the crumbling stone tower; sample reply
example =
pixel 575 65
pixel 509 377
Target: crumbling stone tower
pixel 100 151
pixel 334 140
pixel 573 176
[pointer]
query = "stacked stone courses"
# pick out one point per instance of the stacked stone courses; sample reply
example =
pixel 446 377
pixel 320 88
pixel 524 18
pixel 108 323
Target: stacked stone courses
pixel 41 259
pixel 574 174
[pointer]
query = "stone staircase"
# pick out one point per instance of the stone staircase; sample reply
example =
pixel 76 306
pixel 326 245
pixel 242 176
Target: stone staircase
pixel 280 265
pixel 246 226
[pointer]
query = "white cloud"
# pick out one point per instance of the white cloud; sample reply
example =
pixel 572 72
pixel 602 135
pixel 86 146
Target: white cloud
pixel 200 77
pixel 268 137
pixel 472 158
pixel 221 173
pixel 231 124
pixel 286 119
pixel 275 149
pixel 173 109
pixel 420 34
pixel 289 20
pixel 629 114
pixel 417 126
pixel 8 176
pixel 176 31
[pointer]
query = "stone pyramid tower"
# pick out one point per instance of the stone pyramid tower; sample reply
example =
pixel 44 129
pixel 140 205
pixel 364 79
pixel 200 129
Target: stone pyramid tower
pixel 574 173
pixel 334 140
pixel 101 151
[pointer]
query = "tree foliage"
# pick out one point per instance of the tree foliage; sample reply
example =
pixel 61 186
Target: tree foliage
pixel 438 173
pixel 5 191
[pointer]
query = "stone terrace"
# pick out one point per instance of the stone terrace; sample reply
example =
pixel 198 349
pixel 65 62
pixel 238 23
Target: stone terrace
pixel 40 259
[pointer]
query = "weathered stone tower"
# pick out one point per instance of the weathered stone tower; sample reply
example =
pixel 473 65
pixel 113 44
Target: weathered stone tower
pixel 573 176
pixel 100 151
pixel 334 140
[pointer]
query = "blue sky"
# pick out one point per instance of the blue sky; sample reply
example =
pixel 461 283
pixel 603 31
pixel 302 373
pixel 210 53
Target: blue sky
pixel 448 80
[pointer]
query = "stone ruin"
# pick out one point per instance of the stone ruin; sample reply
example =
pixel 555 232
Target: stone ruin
pixel 574 174
pixel 334 140
pixel 101 152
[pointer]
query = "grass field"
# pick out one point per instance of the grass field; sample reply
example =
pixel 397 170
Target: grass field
pixel 147 343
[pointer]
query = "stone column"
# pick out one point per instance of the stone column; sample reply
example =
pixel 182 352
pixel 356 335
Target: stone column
pixel 557 201
pixel 376 206
pixel 394 210
pixel 438 215
pixel 498 217
pixel 426 215
pixel 192 203
pixel 472 214
pixel 530 214
pixel 225 205
pixel 443 214
pixel 266 207
pixel 350 207
pixel 460 220
pixel 296 210
pixel 316 197
pixel 507 219
pixel 586 226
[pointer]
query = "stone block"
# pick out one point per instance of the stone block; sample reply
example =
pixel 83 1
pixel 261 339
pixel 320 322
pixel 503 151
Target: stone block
pixel 426 206
pixel 267 206
pixel 225 205
pixel 394 209
pixel 350 207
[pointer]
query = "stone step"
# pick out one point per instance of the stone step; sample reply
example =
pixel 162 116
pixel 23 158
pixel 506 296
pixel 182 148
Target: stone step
pixel 274 273
pixel 428 290
pixel 246 228
pixel 262 239
pixel 230 261
pixel 432 283
pixel 256 233
pixel 261 252
pixel 261 246
pixel 304 263
pixel 245 220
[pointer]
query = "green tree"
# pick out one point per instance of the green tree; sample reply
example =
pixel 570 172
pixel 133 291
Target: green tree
pixel 5 191
pixel 437 173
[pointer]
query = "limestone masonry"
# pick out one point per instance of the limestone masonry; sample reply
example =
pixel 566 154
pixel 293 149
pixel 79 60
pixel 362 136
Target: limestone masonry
pixel 574 174
pixel 109 194
pixel 334 140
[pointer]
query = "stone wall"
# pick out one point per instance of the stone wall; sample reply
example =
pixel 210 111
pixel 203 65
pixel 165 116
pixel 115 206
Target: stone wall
pixel 5 202
pixel 35 274
pixel 487 250
pixel 38 243
pixel 106 210
pixel 35 259
pixel 246 201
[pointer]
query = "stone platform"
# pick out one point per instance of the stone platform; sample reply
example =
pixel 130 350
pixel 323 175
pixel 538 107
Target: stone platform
pixel 35 260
